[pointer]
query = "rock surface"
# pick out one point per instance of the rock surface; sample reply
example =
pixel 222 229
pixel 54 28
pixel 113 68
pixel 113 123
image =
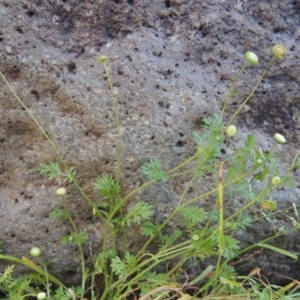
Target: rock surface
pixel 171 64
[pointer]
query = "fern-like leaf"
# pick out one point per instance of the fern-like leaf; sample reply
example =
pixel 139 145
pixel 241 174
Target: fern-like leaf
pixel 192 215
pixel 100 260
pixel 7 274
pixel 153 280
pixel 149 229
pixel 169 239
pixel 153 170
pixel 122 268
pixel 62 294
pixel 231 246
pixel 141 211
pixel 60 213
pixel 69 175
pixel 52 170
pixel 75 239
pixel 107 186
pixel 213 123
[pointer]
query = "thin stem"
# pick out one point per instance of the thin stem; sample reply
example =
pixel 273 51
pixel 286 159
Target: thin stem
pixel 53 146
pixel 247 249
pixel 221 214
pixel 114 101
pixel 187 188
pixel 253 91
pixel 79 245
pixel 177 207
pixel 165 257
pixel 153 181
pixel 50 142
pixel 33 118
pixel 121 203
pixel 225 185
pixel 186 161
pixel 258 198
pixel 293 163
pixel 230 91
pixel 28 263
pixel 188 203
pixel 104 249
pixel 47 281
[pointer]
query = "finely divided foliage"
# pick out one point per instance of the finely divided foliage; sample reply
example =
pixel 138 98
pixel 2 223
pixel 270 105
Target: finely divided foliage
pixel 160 268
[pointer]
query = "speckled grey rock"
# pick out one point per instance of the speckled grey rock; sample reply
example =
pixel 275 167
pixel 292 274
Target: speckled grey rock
pixel 171 63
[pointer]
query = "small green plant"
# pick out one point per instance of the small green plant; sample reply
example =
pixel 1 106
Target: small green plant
pixel 201 233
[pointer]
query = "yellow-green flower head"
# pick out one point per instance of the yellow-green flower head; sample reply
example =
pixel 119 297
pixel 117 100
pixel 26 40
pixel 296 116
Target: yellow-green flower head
pixel 259 161
pixel 276 180
pixel 231 130
pixel 35 251
pixel 41 296
pixel 252 58
pixel 61 191
pixel 103 59
pixel 268 205
pixel 279 51
pixel 280 138
pixel 195 237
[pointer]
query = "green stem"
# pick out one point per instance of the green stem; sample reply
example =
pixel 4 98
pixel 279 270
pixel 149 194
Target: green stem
pixel 247 249
pixel 47 281
pixel 114 101
pixel 221 214
pixel 124 200
pixel 79 245
pixel 252 92
pixel 153 181
pixel 171 215
pixel 191 201
pixel 230 91
pixel 104 264
pixel 28 263
pixel 159 258
pixel 293 163
pixel 49 141
pixel 260 196
pixel 187 203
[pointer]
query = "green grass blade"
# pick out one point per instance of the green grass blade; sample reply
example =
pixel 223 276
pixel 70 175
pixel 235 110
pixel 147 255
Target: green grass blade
pixel 279 250
pixel 201 276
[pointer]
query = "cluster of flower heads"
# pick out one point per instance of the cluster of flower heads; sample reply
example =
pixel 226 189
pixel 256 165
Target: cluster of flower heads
pixel 231 131
pixel 278 51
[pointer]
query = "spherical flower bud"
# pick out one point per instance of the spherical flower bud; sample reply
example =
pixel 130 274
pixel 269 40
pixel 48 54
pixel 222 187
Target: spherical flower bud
pixel 251 58
pixel 279 51
pixel 195 237
pixel 279 138
pixel 61 191
pixel 259 161
pixel 231 130
pixel 35 251
pixel 102 59
pixel 276 180
pixel 41 296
